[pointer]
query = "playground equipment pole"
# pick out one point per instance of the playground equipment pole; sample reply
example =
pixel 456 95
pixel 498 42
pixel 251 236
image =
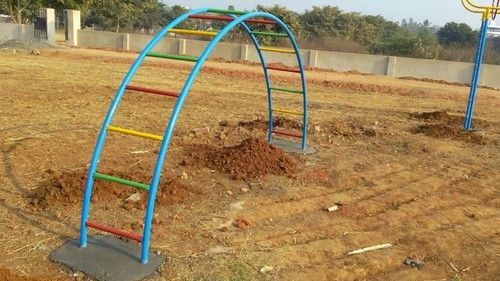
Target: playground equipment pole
pixel 486 12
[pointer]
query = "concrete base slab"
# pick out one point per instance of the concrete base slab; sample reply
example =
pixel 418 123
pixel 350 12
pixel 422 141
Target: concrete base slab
pixel 107 258
pixel 293 147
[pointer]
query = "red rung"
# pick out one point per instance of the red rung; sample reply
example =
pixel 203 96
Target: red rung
pixel 114 231
pixel 277 132
pixel 226 18
pixel 283 69
pixel 152 91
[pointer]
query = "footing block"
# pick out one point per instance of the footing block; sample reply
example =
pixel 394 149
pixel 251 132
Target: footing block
pixel 107 258
pixel 293 147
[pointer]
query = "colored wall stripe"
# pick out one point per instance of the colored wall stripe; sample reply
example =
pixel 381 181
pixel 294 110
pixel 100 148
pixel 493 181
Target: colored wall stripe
pixel 231 12
pixel 152 91
pixel 283 69
pixel 273 34
pixel 115 231
pixel 287 90
pixel 121 181
pixel 289 134
pixel 278 50
pixel 170 56
pixel 226 18
pixel 287 111
pixel 192 32
pixel 135 133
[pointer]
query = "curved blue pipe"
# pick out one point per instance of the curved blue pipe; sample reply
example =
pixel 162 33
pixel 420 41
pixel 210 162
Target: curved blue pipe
pixel 176 112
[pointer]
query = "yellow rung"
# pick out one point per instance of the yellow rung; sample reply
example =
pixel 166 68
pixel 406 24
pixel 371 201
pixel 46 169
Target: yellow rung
pixel 192 32
pixel 278 50
pixel 287 111
pixel 135 133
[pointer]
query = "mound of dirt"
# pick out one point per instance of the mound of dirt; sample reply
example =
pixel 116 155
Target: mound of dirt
pixel 445 131
pixel 437 116
pixel 253 158
pixel 61 189
pixel 26 44
pixel 262 124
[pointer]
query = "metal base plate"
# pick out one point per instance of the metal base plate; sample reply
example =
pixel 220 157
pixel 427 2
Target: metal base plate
pixel 107 258
pixel 293 147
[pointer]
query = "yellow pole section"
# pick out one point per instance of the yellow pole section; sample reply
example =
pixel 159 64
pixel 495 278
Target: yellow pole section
pixel 278 50
pixel 192 32
pixel 135 133
pixel 287 111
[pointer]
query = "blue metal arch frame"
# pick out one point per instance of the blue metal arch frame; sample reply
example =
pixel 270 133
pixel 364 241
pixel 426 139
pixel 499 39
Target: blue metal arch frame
pixel 177 109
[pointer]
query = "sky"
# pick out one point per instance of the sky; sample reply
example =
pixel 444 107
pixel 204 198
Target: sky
pixel 438 12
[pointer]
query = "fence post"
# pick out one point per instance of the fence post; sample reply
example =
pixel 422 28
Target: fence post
pixel 126 41
pixel 391 66
pixel 51 25
pixel 72 24
pixel 244 52
pixel 182 46
pixel 313 58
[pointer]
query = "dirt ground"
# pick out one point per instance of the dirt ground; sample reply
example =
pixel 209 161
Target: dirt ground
pixel 391 156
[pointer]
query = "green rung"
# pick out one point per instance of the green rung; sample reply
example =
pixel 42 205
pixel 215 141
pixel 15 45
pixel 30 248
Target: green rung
pixel 270 34
pixel 122 181
pixel 287 90
pixel 222 11
pixel 170 56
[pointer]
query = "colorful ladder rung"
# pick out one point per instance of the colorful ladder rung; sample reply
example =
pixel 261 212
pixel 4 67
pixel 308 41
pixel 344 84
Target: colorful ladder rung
pixel 231 12
pixel 287 90
pixel 170 56
pixel 283 69
pixel 226 18
pixel 135 133
pixel 193 32
pixel 114 231
pixel 121 181
pixel 278 50
pixel 288 111
pixel 272 34
pixel 289 134
pixel 152 91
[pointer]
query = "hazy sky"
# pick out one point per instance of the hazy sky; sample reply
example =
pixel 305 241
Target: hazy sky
pixel 438 12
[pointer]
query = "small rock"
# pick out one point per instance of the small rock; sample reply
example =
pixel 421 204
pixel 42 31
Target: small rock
pixel 224 227
pixel 375 123
pixel 35 52
pixel 184 176
pixel 134 197
pixel 333 208
pixel 242 223
pixel 224 123
pixel 317 128
pixel 158 252
pixel 244 189
pixel 266 269
pixel 14 51
pixel 229 192
pixel 413 263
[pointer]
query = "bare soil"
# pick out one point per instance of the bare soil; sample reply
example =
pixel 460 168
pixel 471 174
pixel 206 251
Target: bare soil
pixel 392 158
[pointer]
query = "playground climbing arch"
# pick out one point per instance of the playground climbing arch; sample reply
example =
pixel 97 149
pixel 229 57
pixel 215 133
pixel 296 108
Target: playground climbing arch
pixel 234 19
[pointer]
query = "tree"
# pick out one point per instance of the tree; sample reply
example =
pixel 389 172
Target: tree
pixel 321 21
pixel 459 34
pixel 290 17
pixel 118 14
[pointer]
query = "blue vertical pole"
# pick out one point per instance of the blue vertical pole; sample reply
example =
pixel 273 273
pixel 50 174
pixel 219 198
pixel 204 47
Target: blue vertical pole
pixel 476 73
